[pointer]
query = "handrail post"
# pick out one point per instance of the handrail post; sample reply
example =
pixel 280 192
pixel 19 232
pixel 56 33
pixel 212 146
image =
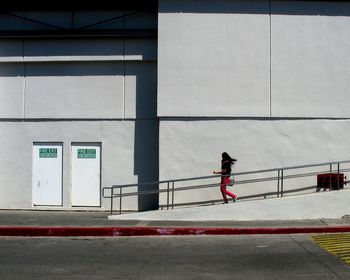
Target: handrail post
pixel 172 195
pixel 281 182
pixel 120 200
pixel 167 196
pixel 112 196
pixel 338 176
pixel 278 183
pixel 330 177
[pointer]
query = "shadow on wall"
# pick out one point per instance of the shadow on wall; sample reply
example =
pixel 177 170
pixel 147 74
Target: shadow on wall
pixel 146 160
pixel 322 8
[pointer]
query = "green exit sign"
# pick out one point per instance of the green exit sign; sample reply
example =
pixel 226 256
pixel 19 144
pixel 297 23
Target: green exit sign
pixel 86 153
pixel 47 153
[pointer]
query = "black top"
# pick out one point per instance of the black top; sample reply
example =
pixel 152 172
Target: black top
pixel 226 167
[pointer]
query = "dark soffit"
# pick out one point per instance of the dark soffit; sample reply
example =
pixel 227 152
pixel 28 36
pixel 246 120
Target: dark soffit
pixel 26 5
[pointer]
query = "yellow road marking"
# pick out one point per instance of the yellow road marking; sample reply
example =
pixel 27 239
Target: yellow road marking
pixel 336 244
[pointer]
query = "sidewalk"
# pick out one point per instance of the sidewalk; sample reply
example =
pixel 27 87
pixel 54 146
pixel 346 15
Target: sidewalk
pixel 321 212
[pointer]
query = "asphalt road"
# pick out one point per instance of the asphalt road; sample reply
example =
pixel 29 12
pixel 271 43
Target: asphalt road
pixel 181 257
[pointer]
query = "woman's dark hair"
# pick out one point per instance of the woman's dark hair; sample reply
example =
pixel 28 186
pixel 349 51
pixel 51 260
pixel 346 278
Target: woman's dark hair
pixel 226 157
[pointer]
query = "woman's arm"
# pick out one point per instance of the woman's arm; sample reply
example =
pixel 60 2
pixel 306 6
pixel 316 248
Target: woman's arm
pixel 220 172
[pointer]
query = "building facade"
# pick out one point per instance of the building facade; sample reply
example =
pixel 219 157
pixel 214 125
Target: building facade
pixel 131 93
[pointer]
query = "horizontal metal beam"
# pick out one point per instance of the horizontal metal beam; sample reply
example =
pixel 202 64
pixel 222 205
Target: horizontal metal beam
pixel 41 34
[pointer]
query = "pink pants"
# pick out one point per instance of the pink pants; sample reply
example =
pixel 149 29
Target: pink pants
pixel 224 182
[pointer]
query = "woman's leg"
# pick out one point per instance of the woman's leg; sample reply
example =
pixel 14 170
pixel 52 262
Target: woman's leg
pixel 231 194
pixel 223 190
pixel 228 192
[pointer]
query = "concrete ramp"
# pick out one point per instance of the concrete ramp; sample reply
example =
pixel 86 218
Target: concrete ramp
pixel 322 205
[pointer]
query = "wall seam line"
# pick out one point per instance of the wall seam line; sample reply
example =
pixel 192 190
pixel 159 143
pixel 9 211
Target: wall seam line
pixel 24 82
pixel 124 69
pixel 270 56
pixel 24 74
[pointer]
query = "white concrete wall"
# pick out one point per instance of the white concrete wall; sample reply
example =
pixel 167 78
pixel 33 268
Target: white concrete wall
pixel 193 149
pixel 238 59
pixel 310 59
pixel 266 83
pixel 122 155
pixel 214 56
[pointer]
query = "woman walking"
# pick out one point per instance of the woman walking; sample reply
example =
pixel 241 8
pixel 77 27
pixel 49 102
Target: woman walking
pixel 225 171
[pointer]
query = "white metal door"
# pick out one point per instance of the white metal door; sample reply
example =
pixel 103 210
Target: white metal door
pixel 86 168
pixel 47 174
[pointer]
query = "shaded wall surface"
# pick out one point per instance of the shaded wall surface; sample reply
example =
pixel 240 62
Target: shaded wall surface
pixel 78 90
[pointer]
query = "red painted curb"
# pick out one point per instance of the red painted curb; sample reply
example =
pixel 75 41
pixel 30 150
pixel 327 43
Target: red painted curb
pixel 158 231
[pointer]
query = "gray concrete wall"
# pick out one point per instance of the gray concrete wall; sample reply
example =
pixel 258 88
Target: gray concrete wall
pixel 78 90
pixel 29 78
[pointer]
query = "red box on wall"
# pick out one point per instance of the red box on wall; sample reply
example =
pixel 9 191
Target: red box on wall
pixel 332 181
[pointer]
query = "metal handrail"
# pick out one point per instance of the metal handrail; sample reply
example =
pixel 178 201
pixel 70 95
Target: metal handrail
pixel 279 178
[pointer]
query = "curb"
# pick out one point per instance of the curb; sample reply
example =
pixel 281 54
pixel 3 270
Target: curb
pixel 159 231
